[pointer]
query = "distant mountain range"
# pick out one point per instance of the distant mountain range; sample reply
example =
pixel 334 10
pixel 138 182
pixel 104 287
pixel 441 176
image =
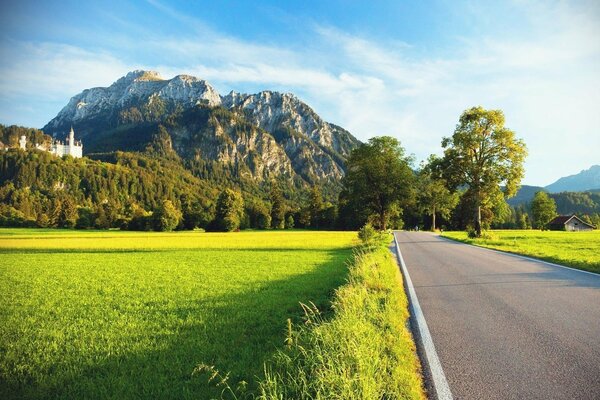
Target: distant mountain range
pixel 587 179
pixel 575 194
pixel 262 136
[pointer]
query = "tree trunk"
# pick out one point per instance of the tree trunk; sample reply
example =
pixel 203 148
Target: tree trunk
pixel 433 220
pixel 382 220
pixel 478 221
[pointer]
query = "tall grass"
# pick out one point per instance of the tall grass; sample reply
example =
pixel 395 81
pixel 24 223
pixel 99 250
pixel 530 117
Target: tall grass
pixel 362 351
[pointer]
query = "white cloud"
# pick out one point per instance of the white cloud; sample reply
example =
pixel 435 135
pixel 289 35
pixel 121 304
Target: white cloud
pixel 548 83
pixel 51 70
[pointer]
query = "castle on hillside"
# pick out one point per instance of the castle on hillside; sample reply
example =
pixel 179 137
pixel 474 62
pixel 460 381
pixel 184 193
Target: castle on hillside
pixel 71 147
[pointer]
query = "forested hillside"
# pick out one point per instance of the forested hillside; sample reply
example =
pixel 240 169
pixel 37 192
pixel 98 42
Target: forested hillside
pixel 132 190
pixel 39 189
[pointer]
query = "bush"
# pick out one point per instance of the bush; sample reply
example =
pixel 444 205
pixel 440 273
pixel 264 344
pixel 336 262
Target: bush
pixel 485 234
pixel 367 234
pixel 471 232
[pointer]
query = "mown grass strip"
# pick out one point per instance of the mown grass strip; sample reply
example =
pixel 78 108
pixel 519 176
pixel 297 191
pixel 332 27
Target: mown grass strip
pixel 363 351
pixel 579 250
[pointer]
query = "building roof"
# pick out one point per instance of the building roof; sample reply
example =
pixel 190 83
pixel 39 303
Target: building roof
pixel 563 219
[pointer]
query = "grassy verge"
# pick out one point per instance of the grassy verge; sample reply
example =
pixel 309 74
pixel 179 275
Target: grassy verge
pixel 574 249
pixel 362 351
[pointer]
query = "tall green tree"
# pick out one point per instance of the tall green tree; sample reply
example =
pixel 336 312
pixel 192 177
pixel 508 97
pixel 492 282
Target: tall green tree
pixel 230 208
pixel 482 155
pixel 68 214
pixel 315 206
pixel 435 198
pixel 258 213
pixel 543 209
pixel 277 207
pixel 166 216
pixel 379 178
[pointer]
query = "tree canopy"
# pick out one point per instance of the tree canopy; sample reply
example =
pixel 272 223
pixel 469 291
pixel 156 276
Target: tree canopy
pixel 543 209
pixel 379 179
pixel 434 197
pixel 482 155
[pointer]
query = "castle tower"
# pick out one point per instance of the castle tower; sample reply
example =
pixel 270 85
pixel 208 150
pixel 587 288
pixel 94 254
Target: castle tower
pixel 71 137
pixel 23 142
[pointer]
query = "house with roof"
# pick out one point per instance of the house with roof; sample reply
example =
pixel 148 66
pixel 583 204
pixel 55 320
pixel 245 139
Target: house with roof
pixel 569 223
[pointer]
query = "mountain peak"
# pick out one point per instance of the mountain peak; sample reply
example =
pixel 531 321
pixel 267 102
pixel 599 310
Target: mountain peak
pixel 587 179
pixel 140 75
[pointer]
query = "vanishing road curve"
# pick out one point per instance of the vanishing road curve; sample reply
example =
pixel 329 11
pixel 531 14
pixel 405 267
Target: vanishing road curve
pixel 505 327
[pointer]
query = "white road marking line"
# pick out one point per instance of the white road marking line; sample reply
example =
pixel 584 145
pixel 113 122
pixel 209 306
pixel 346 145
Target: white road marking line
pixel 440 384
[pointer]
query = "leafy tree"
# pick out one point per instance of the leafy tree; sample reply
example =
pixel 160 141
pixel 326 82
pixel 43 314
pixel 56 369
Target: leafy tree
pixel 230 208
pixel 595 220
pixel 85 218
pixel 42 220
pixel 166 216
pixel 434 196
pixel 259 214
pixel 277 208
pixel 315 207
pixel 195 213
pixel 328 216
pixel 522 218
pixel 543 209
pixel 289 222
pixel 55 211
pixel 378 179
pixel 587 219
pixel 68 214
pixel 480 156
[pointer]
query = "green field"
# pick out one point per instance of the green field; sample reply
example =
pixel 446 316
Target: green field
pixel 575 249
pixel 119 315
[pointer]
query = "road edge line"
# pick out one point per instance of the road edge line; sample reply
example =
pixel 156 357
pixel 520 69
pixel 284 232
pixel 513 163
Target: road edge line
pixel 438 378
pixel 508 253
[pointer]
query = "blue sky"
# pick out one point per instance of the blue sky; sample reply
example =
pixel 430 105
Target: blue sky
pixel 401 68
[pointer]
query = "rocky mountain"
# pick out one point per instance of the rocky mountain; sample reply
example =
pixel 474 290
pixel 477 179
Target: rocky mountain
pixel 259 136
pixel 585 180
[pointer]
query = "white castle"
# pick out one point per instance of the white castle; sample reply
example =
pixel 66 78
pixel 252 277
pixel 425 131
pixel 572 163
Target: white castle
pixel 71 147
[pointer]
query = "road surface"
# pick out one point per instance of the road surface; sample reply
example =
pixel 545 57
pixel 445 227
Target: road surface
pixel 505 327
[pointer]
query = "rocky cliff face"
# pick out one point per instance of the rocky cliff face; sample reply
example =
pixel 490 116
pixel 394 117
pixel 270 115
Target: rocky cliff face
pixel 263 135
pixel 273 111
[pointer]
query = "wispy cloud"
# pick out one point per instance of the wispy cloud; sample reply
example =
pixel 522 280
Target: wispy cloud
pixel 52 70
pixel 548 83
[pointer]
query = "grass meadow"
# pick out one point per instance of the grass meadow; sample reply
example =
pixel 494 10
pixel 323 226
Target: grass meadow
pixel 575 249
pixel 120 315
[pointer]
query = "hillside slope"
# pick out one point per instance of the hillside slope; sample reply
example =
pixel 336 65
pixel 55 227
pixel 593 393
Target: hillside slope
pixel 585 180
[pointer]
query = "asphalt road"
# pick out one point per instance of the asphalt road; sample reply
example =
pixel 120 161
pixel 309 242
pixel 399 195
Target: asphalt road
pixel 505 327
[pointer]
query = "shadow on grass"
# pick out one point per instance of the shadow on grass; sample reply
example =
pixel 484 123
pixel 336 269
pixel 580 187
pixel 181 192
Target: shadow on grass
pixel 236 333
